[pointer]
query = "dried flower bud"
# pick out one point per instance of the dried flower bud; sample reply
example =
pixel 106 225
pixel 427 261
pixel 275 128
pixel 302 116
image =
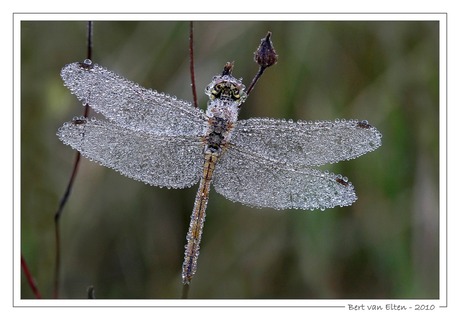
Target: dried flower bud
pixel 266 55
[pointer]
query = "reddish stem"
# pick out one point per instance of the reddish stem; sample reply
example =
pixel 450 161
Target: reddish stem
pixel 30 279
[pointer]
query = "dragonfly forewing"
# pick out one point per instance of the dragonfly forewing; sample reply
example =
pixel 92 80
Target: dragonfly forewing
pixel 165 161
pixel 131 105
pixel 249 179
pixel 302 143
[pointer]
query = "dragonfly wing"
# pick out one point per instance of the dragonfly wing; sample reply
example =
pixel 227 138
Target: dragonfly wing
pixel 131 105
pixel 306 143
pixel 254 181
pixel 165 161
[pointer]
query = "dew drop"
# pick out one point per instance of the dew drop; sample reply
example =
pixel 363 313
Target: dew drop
pixel 86 64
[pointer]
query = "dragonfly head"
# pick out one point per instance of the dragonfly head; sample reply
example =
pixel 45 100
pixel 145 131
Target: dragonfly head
pixel 226 88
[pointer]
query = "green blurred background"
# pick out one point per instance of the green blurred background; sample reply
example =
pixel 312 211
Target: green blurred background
pixel 126 238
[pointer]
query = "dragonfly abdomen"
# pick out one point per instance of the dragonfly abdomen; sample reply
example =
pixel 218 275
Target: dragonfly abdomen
pixel 192 248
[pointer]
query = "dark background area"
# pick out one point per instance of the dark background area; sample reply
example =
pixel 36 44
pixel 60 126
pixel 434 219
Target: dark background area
pixel 126 238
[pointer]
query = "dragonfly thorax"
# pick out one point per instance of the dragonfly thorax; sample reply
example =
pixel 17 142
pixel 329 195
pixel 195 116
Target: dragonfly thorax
pixel 218 133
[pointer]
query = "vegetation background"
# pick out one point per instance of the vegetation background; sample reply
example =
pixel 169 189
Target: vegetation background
pixel 126 238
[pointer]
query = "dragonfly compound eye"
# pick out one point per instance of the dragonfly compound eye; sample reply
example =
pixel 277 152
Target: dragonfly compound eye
pixel 216 91
pixel 227 90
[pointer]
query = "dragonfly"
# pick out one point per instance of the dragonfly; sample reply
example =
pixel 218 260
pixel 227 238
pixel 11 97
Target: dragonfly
pixel 166 142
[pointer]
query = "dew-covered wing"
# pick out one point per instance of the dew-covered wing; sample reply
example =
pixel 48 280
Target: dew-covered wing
pixel 165 161
pixel 129 104
pixel 258 182
pixel 306 143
